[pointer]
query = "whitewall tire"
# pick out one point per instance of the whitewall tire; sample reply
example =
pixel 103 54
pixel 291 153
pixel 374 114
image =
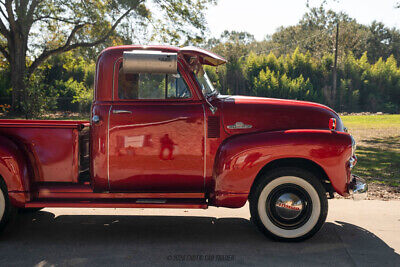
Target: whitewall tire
pixel 289 204
pixel 2 205
pixel 6 209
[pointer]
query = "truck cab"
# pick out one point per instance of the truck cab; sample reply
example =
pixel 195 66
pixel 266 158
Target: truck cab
pixel 161 136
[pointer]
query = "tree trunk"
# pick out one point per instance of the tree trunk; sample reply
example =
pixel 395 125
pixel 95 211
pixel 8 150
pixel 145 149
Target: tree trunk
pixel 18 74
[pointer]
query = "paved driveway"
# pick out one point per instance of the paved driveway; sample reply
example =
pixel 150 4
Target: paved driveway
pixel 365 233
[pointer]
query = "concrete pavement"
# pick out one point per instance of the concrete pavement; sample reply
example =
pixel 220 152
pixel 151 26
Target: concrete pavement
pixel 364 233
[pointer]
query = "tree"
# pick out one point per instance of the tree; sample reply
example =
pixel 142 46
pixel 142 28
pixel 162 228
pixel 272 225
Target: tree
pixel 382 42
pixel 31 31
pixel 233 46
pixel 316 33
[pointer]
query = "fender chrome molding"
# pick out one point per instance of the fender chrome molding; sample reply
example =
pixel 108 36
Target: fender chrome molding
pixel 239 125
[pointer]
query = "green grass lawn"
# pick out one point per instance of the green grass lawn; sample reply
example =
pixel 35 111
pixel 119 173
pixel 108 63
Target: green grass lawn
pixel 378 147
pixel 372 121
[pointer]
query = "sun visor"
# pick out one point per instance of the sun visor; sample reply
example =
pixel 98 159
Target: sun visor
pixel 147 61
pixel 206 57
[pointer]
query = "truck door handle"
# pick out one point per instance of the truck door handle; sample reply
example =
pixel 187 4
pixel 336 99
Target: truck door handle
pixel 120 111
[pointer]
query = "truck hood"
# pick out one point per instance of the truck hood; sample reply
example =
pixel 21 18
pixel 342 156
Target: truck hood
pixel 242 114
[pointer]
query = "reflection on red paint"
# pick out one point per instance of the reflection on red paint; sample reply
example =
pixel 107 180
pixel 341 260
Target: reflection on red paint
pixel 167 148
pixel 251 159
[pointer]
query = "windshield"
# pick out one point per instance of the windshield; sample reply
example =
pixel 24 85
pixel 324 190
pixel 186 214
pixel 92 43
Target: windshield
pixel 205 84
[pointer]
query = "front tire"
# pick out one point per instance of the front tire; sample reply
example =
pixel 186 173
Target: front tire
pixel 289 204
pixel 6 209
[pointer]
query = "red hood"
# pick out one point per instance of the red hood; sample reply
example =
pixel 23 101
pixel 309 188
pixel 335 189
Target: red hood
pixel 269 114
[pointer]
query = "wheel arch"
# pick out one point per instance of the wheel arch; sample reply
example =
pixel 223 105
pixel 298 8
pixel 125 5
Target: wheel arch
pixel 301 163
pixel 14 171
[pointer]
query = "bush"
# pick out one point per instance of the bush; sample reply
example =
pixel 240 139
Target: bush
pixel 361 86
pixel 38 98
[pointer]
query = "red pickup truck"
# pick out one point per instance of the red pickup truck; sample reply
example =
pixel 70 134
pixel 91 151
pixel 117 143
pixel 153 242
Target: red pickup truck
pixel 161 136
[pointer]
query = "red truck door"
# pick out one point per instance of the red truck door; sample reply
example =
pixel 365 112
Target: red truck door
pixel 156 135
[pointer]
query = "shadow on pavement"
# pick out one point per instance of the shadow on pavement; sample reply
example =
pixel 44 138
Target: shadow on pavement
pixel 43 239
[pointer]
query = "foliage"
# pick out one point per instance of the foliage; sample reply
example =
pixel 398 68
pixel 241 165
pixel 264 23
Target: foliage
pixel 72 78
pixel 5 108
pixel 291 76
pixel 316 32
pixel 234 46
pixel 32 31
pixel 65 82
pixel 361 85
pixel 39 98
pixel 297 61
pixel 5 82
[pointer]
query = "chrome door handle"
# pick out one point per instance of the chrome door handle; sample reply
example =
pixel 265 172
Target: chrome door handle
pixel 120 111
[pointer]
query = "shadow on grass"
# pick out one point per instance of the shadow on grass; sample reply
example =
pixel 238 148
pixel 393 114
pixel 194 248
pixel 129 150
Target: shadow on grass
pixel 379 160
pixel 383 143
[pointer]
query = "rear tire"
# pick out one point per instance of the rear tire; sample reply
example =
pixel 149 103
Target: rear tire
pixel 6 209
pixel 289 204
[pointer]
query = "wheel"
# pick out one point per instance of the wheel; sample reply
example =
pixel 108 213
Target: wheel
pixel 289 204
pixel 6 209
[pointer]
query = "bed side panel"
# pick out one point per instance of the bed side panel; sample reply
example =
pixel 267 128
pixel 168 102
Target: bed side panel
pixel 55 151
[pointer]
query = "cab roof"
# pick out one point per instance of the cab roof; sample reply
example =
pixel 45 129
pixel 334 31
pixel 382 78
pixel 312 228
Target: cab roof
pixel 206 57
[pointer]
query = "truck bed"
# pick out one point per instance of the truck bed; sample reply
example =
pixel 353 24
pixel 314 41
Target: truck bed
pixel 57 150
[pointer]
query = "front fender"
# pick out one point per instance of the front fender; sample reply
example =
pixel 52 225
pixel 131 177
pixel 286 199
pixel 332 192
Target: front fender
pixel 240 158
pixel 14 171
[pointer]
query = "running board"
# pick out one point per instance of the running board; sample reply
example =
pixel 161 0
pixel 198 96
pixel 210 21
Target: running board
pixel 151 201
pixel 120 203
pixel 84 191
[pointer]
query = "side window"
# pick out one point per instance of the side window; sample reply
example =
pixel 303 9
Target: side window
pixel 151 86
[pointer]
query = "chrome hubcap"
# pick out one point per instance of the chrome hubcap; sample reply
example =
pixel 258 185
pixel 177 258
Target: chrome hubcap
pixel 289 206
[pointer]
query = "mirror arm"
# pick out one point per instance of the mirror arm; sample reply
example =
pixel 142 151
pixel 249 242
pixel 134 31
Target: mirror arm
pixel 212 108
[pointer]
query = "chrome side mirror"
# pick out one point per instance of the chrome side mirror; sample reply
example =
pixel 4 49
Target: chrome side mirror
pixel 96 119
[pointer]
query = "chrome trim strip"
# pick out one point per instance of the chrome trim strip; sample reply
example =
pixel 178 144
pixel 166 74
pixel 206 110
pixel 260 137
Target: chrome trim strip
pixel 352 162
pixel 113 80
pixel 120 111
pixel 205 148
pixel 108 147
pixel 147 124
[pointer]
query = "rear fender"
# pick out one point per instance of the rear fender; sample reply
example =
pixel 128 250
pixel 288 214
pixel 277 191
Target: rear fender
pixel 14 171
pixel 241 158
